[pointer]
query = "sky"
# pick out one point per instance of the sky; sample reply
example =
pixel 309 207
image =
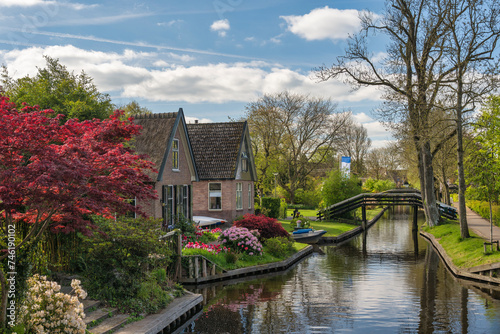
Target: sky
pixel 209 57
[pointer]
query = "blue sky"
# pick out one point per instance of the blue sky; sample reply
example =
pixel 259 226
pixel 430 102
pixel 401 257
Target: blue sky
pixel 210 57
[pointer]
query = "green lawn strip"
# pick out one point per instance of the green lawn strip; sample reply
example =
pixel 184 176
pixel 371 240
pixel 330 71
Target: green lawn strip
pixel 464 253
pixel 305 213
pixel 332 229
pixel 243 259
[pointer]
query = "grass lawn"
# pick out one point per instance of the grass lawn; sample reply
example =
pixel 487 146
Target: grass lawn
pixel 332 229
pixel 464 253
pixel 305 213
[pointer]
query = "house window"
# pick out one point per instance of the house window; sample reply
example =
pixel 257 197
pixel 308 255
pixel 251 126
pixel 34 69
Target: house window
pixel 239 193
pixel 250 196
pixel 215 196
pixel 244 162
pixel 175 154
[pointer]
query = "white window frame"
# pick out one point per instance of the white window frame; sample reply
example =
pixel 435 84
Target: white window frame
pixel 239 196
pixel 210 192
pixel 175 155
pixel 250 197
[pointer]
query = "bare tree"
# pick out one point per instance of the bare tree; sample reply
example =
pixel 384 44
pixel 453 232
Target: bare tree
pixel 413 74
pixel 303 130
pixel 356 146
pixel 474 33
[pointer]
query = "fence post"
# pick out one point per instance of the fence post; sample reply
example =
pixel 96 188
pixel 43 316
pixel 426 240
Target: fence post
pixel 178 255
pixel 196 267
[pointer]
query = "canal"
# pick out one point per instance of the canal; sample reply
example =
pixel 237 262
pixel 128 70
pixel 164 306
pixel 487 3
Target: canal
pixel 387 281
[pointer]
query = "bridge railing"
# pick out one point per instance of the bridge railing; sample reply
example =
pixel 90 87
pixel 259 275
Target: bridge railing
pixel 393 198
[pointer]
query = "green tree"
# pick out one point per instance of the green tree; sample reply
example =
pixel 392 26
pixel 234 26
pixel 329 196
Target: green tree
pixel 338 187
pixel 54 87
pixel 133 109
pixel 483 162
pixel 293 134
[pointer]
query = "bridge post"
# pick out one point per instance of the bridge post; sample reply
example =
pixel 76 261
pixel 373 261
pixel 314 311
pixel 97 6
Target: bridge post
pixel 363 217
pixel 415 217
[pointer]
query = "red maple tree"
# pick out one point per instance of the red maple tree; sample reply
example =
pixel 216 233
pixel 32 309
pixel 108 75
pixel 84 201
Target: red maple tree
pixel 54 175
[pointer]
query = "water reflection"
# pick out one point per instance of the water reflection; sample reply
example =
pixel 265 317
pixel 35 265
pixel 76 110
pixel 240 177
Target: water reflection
pixel 386 281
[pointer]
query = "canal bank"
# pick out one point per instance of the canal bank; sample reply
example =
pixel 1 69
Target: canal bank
pixel 485 274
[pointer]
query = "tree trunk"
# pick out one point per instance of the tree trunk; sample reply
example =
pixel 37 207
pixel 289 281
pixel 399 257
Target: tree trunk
pixel 464 228
pixel 428 194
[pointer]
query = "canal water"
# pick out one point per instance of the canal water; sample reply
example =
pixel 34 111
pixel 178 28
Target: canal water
pixel 386 281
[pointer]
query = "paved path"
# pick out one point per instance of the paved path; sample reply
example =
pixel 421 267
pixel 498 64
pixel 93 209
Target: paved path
pixel 480 226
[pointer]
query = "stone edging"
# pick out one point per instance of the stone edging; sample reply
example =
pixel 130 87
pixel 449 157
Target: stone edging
pixel 457 272
pixel 251 271
pixel 352 233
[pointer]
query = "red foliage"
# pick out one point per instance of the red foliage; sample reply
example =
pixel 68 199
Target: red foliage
pixel 267 227
pixel 54 175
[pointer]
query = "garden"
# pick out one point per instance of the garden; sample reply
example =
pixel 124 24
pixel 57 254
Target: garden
pixel 252 240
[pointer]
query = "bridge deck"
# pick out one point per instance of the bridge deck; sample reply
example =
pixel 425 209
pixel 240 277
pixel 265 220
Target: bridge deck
pixel 394 198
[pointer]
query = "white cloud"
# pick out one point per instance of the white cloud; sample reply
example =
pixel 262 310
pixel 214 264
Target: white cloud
pixel 170 23
pixel 221 26
pixel 24 3
pixel 191 120
pixel 324 23
pixel 32 3
pixel 376 143
pixel 155 76
pixel 362 118
pixel 376 129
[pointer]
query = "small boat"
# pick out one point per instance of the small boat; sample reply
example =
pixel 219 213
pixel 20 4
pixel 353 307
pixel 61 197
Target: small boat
pixel 203 221
pixel 307 235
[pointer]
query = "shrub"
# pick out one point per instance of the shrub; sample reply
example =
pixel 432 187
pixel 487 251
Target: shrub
pixel 308 198
pixel 279 246
pixel 231 257
pixel 338 187
pixel 241 240
pixel 46 310
pixel 301 222
pixel 271 205
pixel 267 227
pixel 377 186
pixel 121 258
pixel 283 209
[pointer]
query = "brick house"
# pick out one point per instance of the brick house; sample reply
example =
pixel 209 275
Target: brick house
pixel 226 169
pixel 204 169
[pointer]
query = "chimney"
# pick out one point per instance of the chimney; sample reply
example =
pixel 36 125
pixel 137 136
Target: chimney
pixel 195 121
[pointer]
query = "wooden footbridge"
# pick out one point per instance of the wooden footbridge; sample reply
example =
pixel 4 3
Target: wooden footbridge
pixel 396 197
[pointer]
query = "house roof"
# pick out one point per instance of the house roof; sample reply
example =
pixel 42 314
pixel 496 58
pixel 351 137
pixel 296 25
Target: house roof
pixel 216 147
pixel 155 140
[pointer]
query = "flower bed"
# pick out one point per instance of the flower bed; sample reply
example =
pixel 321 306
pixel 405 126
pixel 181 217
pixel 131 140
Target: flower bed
pixel 214 249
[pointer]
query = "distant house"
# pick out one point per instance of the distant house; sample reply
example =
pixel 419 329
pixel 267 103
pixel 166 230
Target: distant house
pixel 203 169
pixel 226 169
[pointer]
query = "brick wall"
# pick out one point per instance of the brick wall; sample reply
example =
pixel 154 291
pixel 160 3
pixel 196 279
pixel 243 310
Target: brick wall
pixel 228 211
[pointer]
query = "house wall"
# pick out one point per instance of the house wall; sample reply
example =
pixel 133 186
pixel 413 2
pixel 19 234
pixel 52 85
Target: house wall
pixel 170 177
pixel 228 210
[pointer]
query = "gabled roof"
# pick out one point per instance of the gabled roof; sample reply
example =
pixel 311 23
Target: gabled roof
pixel 216 147
pixel 157 134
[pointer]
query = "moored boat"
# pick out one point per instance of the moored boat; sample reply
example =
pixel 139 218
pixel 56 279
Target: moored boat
pixel 307 235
